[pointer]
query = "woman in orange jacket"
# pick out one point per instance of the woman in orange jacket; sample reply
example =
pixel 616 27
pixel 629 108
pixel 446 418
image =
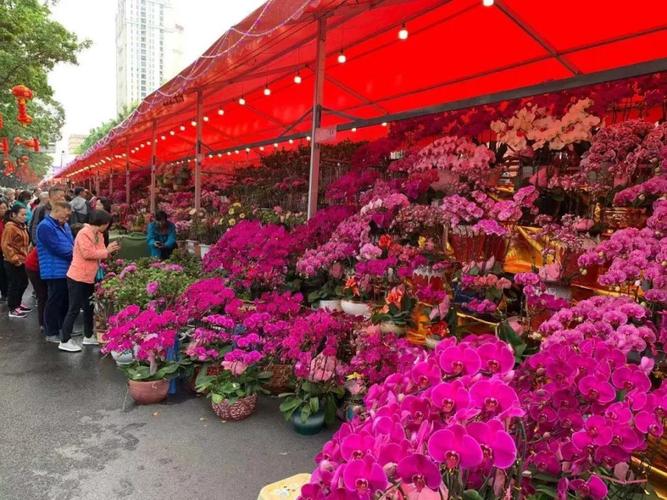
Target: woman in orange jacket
pixel 88 251
pixel 15 244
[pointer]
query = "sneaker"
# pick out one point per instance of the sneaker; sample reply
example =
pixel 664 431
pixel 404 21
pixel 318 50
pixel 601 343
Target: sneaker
pixel 55 339
pixel 90 341
pixel 25 309
pixel 69 346
pixel 17 313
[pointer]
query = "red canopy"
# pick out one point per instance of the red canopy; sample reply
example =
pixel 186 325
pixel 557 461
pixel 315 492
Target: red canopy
pixel 458 53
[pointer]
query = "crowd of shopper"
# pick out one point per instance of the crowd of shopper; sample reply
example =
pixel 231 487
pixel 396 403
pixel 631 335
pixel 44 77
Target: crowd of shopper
pixel 55 241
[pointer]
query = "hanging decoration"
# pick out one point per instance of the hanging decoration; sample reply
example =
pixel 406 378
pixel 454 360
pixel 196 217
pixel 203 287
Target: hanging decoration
pixel 22 94
pixel 28 143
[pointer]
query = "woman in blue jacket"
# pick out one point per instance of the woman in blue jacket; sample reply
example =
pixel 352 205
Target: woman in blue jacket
pixel 161 236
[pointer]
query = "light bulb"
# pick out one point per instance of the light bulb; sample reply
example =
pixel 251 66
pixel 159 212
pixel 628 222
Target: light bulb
pixel 275 144
pixel 193 123
pixel 308 138
pixel 291 141
pixel 237 151
pixel 354 129
pixel 219 155
pixel 267 90
pixel 182 128
pixel 148 142
pixel 164 138
pixel 171 132
pixel 487 3
pixel 341 57
pixel 205 118
pixel 297 78
pixel 242 101
pixel 261 148
pixel 247 150
pixel 229 153
pixel 221 111
pixel 403 33
pixel 384 124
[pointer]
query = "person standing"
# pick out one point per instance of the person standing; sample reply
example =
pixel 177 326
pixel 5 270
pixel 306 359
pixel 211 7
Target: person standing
pixel 56 194
pixel 38 285
pixel 54 250
pixel 104 204
pixel 23 200
pixel 89 250
pixel 79 207
pixel 3 277
pixel 15 244
pixel 161 236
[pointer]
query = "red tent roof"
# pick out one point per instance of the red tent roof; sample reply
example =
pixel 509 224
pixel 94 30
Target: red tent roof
pixel 458 53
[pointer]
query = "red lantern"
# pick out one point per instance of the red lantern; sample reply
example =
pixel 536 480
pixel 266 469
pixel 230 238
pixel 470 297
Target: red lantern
pixel 22 94
pixel 27 143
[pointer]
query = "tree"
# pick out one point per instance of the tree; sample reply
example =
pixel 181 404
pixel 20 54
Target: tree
pixel 31 44
pixel 97 133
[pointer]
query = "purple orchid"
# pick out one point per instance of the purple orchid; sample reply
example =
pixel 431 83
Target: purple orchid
pixel 419 471
pixel 497 445
pixel 454 448
pixel 365 477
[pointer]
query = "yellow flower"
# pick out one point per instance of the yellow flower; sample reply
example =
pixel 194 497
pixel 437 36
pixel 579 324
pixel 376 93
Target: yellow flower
pixel 237 204
pixel 241 216
pixel 422 241
pixel 230 211
pixel 354 376
pixel 231 222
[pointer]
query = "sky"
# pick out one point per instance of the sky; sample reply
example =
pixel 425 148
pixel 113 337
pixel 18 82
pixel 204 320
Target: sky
pixel 88 91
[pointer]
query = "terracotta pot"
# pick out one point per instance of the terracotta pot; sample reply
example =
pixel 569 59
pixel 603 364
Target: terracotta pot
pixel 280 378
pixel 239 410
pixel 356 308
pixel 148 392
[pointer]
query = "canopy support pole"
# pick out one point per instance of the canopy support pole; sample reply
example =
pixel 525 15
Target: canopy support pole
pixel 97 183
pixel 198 149
pixel 153 161
pixel 110 183
pixel 320 59
pixel 127 171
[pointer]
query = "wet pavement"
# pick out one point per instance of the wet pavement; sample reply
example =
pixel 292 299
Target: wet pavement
pixel 68 430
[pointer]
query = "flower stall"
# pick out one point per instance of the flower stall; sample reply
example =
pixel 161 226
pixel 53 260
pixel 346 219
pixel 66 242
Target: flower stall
pixel 462 275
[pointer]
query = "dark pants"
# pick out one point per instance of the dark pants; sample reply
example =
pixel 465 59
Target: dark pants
pixel 40 291
pixel 17 282
pixel 3 280
pixel 56 306
pixel 80 297
pixel 165 253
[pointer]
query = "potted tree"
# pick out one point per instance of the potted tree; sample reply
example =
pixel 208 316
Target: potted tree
pixel 312 405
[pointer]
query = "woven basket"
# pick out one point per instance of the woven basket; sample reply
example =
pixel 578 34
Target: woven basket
pixel 238 410
pixel 280 378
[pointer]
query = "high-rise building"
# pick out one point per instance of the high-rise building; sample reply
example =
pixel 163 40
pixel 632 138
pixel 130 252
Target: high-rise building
pixel 148 48
pixel 73 143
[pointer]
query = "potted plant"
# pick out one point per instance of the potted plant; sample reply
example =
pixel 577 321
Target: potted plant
pixel 354 299
pixel 233 392
pixel 395 316
pixel 312 405
pixel 151 337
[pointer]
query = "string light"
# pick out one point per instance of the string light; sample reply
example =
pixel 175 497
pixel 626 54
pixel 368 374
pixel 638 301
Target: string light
pixel 354 129
pixel 171 132
pixel 297 78
pixel 261 148
pixel 384 124
pixel 487 3
pixel 163 137
pixel 182 128
pixel 341 57
pixel 308 138
pixel 247 150
pixel 275 144
pixel 219 155
pixel 267 91
pixel 193 123
pixel 242 101
pixel 291 141
pixel 148 142
pixel 403 33
pixel 221 111
pixel 229 153
pixel 237 151
pixel 205 118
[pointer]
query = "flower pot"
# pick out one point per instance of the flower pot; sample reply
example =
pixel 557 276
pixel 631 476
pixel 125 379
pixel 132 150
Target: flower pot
pixel 312 425
pixel 330 305
pixel 148 392
pixel 122 358
pixel 242 408
pixel 391 327
pixel 356 308
pixel 204 249
pixel 190 245
pixel 560 291
pixel 280 378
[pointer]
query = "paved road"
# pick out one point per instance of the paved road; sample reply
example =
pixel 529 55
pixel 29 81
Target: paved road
pixel 68 431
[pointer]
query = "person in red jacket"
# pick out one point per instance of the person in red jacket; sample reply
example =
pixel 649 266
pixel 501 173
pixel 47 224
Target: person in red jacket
pixel 32 269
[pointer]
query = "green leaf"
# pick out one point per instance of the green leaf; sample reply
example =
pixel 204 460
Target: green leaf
pixel 217 398
pixel 472 495
pixel 314 404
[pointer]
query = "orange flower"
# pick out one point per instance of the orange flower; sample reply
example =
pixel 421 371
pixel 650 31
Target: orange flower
pixel 351 283
pixel 395 296
pixel 384 241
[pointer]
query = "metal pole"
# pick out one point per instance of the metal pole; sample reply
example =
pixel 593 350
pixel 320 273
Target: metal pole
pixel 97 183
pixel 110 183
pixel 127 171
pixel 198 149
pixel 314 184
pixel 153 161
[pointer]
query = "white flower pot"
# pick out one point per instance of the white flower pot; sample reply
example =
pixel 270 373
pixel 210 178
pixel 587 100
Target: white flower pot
pixel 330 305
pixel 122 358
pixel 204 249
pixel 190 244
pixel 560 291
pixel 391 327
pixel 356 308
